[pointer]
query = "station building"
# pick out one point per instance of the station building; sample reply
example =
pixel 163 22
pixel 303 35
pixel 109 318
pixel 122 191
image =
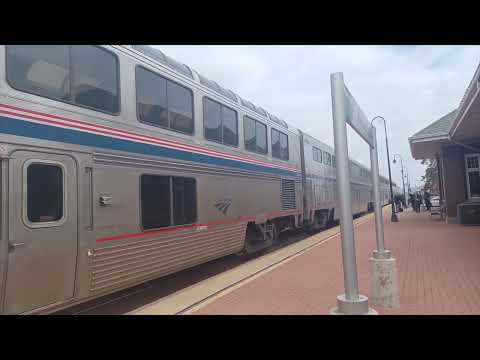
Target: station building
pixel 454 142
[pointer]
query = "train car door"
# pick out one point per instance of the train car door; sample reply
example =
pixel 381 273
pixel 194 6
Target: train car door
pixel 43 230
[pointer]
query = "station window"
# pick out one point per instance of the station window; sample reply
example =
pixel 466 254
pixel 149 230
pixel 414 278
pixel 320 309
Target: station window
pixel 317 154
pixel 167 201
pixel 220 123
pixel 83 75
pixel 327 158
pixel 255 134
pixel 163 103
pixel 279 145
pixel 44 193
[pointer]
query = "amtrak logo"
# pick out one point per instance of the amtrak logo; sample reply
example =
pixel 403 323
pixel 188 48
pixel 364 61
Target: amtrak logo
pixel 223 205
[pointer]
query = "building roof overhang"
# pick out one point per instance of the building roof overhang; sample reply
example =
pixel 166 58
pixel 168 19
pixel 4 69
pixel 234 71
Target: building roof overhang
pixel 459 126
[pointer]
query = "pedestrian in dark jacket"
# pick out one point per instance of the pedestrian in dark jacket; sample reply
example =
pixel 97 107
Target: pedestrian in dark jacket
pixel 427 197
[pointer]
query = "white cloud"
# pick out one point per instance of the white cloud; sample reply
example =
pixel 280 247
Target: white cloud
pixel 411 86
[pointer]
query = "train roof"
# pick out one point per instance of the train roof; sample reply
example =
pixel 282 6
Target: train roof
pixel 157 55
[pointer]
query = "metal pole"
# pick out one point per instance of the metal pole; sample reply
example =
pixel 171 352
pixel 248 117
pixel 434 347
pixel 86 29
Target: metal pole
pixel 403 182
pixel 343 187
pixel 380 253
pixel 403 177
pixel 408 182
pixel 394 217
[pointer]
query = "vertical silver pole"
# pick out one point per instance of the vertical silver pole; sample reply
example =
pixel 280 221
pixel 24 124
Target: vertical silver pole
pixel 380 252
pixel 343 187
pixel 351 302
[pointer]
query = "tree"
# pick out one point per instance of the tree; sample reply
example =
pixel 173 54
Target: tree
pixel 430 178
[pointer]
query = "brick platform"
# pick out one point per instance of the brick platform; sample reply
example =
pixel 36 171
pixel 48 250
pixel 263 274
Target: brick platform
pixel 438 267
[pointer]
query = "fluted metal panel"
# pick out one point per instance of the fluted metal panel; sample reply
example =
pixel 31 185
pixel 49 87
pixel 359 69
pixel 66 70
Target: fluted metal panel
pixel 129 262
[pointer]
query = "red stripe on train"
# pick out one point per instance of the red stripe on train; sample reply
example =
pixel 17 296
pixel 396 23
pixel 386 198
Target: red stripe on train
pixel 191 226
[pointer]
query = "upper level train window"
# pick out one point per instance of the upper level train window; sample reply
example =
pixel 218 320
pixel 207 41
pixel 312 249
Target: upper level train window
pixel 327 158
pixel 94 78
pixel 220 123
pixel 334 164
pixel 44 193
pixel 317 154
pixel 163 103
pixel 167 201
pixel 255 134
pixel 83 75
pixel 279 145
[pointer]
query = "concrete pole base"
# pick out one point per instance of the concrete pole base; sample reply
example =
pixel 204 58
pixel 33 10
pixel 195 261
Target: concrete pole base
pixel 352 307
pixel 384 282
pixel 385 254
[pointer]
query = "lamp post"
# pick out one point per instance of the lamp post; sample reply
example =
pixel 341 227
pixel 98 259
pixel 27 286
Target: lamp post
pixel 403 180
pixel 408 181
pixel 394 217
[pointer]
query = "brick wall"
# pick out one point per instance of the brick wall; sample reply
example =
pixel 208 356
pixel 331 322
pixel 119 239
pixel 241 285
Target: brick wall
pixel 453 171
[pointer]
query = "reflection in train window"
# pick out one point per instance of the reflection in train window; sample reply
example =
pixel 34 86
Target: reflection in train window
pixel 279 145
pixel 255 134
pixel 83 75
pixel 44 193
pixel 327 158
pixel 94 78
pixel 220 123
pixel 163 103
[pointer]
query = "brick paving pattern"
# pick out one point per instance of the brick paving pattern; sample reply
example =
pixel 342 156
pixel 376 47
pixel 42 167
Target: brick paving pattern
pixel 438 266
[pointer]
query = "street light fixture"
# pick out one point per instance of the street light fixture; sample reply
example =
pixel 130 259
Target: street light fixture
pixel 394 217
pixel 403 179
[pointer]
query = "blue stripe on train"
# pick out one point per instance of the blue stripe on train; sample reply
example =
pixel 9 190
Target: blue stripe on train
pixel 33 130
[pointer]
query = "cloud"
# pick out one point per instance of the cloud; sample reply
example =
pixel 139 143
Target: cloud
pixel 411 86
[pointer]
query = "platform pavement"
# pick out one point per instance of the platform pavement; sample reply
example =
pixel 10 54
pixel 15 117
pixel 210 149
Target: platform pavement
pixel 438 268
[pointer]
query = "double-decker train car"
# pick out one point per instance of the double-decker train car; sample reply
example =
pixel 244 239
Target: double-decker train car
pixel 120 165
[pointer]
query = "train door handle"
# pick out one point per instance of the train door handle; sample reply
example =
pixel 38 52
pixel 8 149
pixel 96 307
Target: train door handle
pixel 13 246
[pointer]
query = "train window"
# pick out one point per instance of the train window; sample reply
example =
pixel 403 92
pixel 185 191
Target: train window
pixel 44 193
pixel 155 201
pixel 167 201
pixel 84 75
pixel 184 201
pixel 94 78
pixel 279 145
pixel 230 126
pixel 249 133
pixel 255 134
pixel 163 103
pixel 328 158
pixel 334 164
pixel 39 69
pixel 151 98
pixel 317 154
pixel 261 135
pixel 220 123
pixel 180 107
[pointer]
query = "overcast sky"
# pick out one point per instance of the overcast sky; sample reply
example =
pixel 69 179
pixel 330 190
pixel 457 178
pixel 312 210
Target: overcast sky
pixel 411 86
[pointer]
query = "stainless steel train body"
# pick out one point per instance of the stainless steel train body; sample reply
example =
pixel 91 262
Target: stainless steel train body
pixel 106 184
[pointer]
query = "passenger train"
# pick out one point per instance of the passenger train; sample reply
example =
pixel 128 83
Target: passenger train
pixel 120 165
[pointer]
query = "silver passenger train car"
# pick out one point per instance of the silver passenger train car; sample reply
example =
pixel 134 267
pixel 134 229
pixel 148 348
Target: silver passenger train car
pixel 120 165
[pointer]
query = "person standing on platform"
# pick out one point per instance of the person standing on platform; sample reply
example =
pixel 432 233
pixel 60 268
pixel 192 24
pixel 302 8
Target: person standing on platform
pixel 428 203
